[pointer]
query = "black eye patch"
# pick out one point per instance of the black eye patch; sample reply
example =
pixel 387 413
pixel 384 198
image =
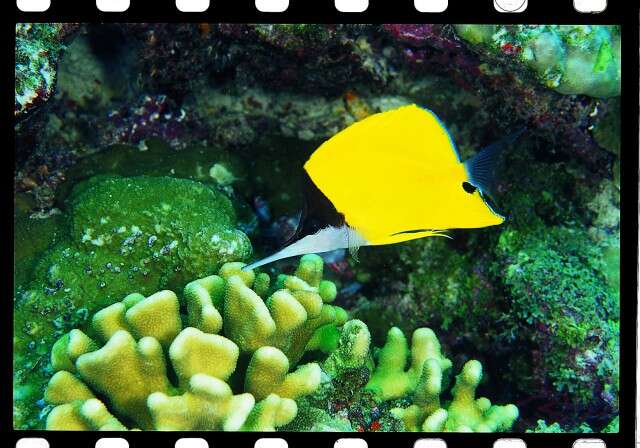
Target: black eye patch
pixel 468 187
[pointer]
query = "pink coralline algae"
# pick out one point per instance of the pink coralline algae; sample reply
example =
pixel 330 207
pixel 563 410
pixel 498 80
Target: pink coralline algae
pixel 155 116
pixel 419 35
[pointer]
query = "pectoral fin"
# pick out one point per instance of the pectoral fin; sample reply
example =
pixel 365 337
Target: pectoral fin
pixel 481 167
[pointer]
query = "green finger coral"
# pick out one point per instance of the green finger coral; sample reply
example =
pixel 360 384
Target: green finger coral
pixel 407 384
pixel 389 379
pixel 141 368
pixel 423 382
pixel 464 413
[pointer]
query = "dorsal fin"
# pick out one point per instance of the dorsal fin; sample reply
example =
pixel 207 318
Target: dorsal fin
pixel 481 167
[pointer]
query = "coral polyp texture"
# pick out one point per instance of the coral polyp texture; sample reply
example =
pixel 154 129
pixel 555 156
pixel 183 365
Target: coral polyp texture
pixel 231 339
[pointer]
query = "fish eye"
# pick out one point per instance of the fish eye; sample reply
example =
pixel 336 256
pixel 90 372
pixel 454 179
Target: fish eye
pixel 466 186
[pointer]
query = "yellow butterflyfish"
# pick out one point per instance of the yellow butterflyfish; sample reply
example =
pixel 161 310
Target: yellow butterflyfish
pixel 392 177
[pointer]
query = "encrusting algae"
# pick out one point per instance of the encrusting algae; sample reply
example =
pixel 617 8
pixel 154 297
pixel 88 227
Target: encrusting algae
pixel 232 363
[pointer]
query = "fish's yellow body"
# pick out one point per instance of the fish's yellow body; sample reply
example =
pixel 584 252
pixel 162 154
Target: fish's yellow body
pixel 394 176
pixel 396 172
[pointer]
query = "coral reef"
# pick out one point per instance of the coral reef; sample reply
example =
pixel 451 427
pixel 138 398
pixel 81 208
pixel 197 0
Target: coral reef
pixel 465 413
pixel 549 294
pixel 308 58
pixel 555 428
pixel 275 70
pixel 543 286
pixel 158 158
pixel 509 95
pixel 233 107
pixel 265 337
pixel 121 235
pixel 543 427
pixel 92 73
pixel 151 157
pixel 237 115
pixel 172 58
pixel 420 35
pixel 572 59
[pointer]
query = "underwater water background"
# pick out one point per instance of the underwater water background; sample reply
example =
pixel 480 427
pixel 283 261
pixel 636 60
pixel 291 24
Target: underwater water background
pixel 152 156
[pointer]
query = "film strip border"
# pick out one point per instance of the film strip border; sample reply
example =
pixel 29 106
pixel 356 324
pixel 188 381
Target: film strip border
pixel 491 11
pixel 432 6
pixel 42 439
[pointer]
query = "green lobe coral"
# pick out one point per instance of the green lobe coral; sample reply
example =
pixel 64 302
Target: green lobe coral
pixel 389 379
pixel 464 413
pixel 406 384
pixel 144 341
pixel 121 235
pixel 423 382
